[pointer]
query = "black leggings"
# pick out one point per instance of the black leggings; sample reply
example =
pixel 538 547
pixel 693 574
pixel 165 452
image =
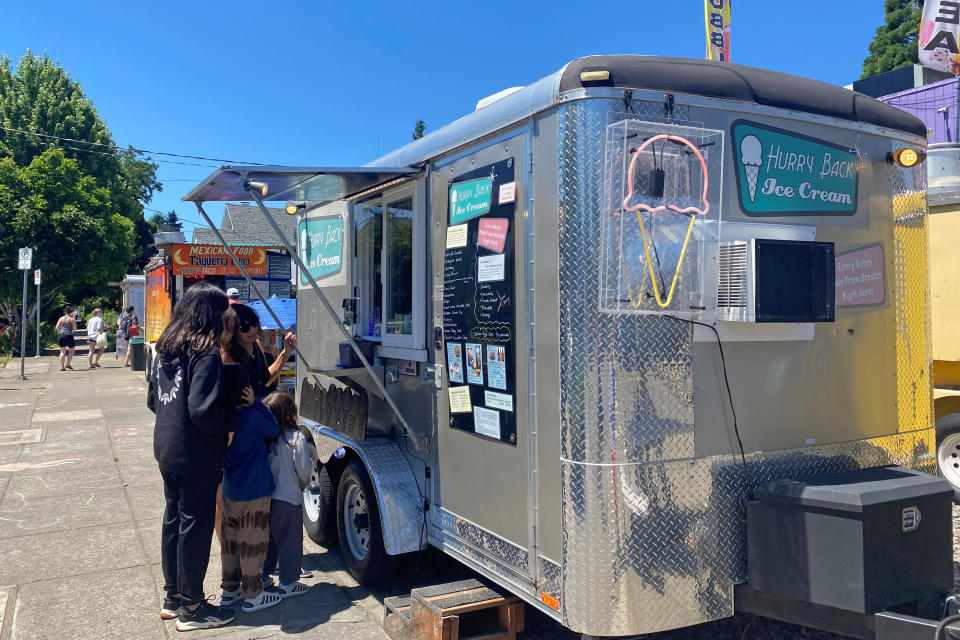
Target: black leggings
pixel 187 531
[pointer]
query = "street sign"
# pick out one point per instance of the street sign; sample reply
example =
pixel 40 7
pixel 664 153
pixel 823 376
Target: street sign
pixel 25 259
pixel 36 277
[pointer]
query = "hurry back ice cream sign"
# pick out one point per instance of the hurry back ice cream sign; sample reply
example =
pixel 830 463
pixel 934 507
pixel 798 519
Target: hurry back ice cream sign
pixel 784 174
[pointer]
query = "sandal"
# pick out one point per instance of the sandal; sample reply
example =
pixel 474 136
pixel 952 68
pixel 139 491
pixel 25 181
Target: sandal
pixel 262 601
pixel 292 589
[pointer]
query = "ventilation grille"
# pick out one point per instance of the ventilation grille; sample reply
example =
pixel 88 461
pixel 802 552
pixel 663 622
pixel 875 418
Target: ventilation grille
pixel 732 281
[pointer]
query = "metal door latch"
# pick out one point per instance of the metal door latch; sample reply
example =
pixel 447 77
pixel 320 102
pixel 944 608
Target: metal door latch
pixel 432 373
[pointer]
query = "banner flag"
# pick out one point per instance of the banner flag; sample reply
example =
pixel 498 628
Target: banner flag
pixel 939 30
pixel 717 14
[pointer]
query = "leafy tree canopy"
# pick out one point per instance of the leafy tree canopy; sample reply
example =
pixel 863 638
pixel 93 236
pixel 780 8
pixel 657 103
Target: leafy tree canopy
pixel 78 204
pixel 70 221
pixel 895 44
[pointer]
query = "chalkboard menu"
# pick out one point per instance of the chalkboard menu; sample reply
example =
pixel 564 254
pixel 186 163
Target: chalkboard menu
pixel 478 314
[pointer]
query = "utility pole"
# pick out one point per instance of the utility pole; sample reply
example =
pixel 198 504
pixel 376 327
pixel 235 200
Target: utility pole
pixel 24 262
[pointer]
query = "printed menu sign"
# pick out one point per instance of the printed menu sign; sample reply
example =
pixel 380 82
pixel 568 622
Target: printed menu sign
pixel 860 277
pixel 478 316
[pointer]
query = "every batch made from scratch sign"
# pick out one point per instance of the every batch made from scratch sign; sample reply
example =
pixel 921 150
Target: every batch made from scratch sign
pixel 478 313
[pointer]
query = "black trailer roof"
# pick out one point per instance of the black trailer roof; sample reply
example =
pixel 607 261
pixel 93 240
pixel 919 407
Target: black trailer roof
pixel 738 82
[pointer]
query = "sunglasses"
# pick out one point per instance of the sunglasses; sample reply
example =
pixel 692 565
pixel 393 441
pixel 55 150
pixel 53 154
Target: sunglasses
pixel 246 326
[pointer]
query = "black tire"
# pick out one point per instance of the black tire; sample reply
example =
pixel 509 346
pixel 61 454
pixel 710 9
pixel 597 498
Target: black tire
pixel 374 566
pixel 319 516
pixel 947 429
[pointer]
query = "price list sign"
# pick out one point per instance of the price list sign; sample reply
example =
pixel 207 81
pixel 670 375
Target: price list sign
pixel 478 313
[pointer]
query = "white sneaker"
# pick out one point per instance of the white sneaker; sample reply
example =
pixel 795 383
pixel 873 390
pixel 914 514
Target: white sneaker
pixel 229 598
pixel 292 589
pixel 264 600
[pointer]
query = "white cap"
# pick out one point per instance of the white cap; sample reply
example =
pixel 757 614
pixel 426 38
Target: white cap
pixel 233 292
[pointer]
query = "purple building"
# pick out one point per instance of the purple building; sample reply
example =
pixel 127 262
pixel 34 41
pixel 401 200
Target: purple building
pixel 935 104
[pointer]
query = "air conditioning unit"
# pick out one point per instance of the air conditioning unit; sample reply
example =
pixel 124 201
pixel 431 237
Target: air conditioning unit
pixel 765 280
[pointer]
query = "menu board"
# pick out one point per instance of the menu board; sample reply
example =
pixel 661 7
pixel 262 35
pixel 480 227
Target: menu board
pixel 478 313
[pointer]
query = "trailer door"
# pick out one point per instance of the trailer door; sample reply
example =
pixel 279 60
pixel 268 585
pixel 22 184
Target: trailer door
pixel 483 443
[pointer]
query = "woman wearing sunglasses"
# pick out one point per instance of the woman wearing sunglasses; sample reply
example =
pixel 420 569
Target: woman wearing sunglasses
pixel 248 353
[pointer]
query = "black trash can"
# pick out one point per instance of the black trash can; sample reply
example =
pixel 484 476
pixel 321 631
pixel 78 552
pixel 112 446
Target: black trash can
pixel 138 354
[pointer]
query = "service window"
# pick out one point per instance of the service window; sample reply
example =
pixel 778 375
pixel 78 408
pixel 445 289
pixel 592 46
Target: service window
pixel 389 268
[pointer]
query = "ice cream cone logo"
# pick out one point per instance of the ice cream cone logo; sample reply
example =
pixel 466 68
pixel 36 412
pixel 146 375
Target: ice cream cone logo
pixel 751 157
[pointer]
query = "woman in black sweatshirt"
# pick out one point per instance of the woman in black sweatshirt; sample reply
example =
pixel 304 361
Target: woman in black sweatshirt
pixel 189 442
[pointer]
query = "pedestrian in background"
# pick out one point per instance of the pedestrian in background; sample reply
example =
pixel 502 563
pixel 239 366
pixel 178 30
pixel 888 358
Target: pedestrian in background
pixel 133 331
pixel 123 322
pixel 95 346
pixel 233 295
pixel 66 325
pixel 189 443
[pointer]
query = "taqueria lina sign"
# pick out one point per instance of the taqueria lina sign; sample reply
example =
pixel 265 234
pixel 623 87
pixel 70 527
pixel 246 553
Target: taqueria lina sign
pixel 780 173
pixel 213 260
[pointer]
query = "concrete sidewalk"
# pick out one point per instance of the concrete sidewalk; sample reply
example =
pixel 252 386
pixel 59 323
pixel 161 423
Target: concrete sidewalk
pixel 80 510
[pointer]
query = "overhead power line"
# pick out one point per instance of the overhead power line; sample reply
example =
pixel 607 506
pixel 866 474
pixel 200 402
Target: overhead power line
pixel 115 147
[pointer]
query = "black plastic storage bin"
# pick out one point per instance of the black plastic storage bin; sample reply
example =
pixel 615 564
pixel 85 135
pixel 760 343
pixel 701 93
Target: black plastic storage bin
pixel 863 540
pixel 348 357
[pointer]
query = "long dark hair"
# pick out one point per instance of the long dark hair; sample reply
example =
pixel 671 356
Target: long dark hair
pixel 197 321
pixel 284 409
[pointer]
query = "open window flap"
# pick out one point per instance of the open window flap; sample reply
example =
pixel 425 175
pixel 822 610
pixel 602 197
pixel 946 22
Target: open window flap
pixel 316 184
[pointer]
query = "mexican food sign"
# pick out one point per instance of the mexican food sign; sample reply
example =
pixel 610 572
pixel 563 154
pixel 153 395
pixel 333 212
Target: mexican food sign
pixel 214 260
pixel 780 173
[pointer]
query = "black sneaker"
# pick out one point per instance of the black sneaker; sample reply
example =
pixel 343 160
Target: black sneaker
pixel 205 616
pixel 170 608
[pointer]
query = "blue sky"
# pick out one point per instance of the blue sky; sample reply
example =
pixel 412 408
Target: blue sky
pixel 339 83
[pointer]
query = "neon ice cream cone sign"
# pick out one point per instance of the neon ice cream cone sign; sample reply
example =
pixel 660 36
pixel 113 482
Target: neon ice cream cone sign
pixel 692 211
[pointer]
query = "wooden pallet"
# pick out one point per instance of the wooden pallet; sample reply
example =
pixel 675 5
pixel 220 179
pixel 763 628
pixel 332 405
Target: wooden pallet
pixel 464 610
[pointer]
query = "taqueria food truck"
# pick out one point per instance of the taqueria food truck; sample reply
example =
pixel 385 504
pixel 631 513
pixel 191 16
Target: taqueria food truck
pixel 645 343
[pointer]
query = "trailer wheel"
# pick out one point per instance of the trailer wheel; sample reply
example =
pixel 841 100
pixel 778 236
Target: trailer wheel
pixel 358 524
pixel 948 451
pixel 319 518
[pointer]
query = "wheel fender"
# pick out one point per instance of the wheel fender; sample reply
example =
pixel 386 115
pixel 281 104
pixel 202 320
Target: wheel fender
pixel 398 495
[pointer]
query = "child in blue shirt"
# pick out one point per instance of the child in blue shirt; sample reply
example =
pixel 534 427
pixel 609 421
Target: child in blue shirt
pixel 247 487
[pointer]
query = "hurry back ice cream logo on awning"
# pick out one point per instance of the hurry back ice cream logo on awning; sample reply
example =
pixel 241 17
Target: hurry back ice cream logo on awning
pixel 786 174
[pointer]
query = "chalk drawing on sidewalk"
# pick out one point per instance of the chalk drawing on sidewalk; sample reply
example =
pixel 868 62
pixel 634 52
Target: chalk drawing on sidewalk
pixel 65 416
pixel 30 466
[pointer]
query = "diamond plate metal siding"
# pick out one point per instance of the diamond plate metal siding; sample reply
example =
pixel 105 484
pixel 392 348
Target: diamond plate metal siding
pixel 653 539
pixel 492 544
pixel 912 291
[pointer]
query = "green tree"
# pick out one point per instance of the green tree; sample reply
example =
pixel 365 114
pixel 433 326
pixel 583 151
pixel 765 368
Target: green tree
pixel 40 97
pixel 895 44
pixel 68 219
pixel 418 128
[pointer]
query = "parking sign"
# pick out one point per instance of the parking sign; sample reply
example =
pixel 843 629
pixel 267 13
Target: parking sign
pixel 25 259
pixel 36 277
